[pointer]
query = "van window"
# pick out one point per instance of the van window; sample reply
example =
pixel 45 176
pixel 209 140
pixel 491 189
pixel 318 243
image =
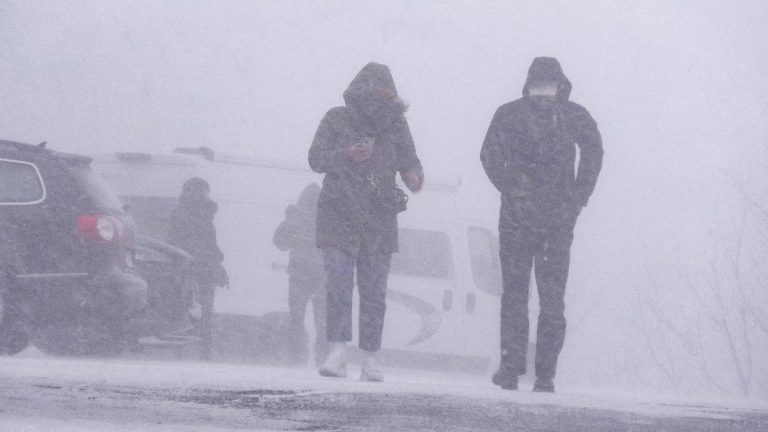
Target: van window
pixel 423 254
pixel 484 258
pixel 20 183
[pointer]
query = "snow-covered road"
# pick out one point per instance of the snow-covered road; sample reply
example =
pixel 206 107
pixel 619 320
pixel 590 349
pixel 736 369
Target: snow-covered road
pixel 48 394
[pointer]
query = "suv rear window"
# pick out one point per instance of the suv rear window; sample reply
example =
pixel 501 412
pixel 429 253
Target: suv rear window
pixel 102 196
pixel 20 183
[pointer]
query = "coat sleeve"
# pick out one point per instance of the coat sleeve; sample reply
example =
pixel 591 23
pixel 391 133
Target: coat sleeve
pixel 493 154
pixel 325 155
pixel 282 237
pixel 294 231
pixel 407 160
pixel 179 231
pixel 590 146
pixel 218 255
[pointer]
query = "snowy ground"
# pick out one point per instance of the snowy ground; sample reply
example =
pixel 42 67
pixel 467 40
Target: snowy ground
pixel 39 393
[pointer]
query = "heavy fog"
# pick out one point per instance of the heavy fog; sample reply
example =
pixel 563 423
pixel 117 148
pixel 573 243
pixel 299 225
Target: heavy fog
pixel 667 285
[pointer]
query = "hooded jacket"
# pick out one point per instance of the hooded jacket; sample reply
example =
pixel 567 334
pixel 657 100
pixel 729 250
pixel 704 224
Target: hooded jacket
pixel 191 228
pixel 346 216
pixel 297 234
pixel 529 153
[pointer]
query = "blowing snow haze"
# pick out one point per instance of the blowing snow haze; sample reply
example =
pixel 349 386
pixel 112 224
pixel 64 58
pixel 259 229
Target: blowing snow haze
pixel 669 258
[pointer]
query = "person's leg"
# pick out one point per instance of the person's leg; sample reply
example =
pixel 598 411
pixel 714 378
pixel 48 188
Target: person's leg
pixel 298 296
pixel 517 249
pixel 551 277
pixel 372 274
pixel 205 295
pixel 318 311
pixel 339 267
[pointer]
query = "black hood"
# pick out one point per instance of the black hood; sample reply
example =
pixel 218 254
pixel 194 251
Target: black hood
pixel 372 95
pixel 371 78
pixel 548 69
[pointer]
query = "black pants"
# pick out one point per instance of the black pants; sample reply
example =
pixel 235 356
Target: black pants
pixel 372 273
pixel 301 292
pixel 547 250
pixel 205 294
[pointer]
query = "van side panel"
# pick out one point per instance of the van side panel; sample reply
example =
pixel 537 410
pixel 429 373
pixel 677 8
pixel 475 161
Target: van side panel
pixel 434 308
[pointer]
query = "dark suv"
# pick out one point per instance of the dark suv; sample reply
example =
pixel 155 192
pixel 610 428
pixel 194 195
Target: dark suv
pixel 66 250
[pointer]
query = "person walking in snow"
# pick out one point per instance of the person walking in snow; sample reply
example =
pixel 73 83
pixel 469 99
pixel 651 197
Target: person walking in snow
pixel 360 147
pixel 529 155
pixel 191 229
pixel 306 277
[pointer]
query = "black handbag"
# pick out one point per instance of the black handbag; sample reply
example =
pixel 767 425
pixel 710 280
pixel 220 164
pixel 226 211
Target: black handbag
pixel 387 196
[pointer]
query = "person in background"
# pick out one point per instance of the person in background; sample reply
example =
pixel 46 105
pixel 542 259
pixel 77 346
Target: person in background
pixel 306 277
pixel 191 228
pixel 360 147
pixel 529 154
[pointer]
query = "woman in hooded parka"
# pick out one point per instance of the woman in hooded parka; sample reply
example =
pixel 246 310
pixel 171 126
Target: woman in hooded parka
pixel 360 147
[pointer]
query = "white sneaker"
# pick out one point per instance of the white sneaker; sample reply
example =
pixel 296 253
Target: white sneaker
pixel 335 365
pixel 370 369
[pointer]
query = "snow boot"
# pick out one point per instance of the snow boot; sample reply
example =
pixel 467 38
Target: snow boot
pixel 369 368
pixel 544 385
pixel 335 365
pixel 505 378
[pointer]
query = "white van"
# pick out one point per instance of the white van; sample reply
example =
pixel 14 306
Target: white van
pixel 444 286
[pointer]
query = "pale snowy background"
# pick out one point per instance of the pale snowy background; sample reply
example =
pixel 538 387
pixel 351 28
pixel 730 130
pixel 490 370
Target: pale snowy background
pixel 667 290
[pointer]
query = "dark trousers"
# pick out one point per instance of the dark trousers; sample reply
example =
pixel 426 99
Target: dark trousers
pixel 372 273
pixel 205 294
pixel 301 292
pixel 547 250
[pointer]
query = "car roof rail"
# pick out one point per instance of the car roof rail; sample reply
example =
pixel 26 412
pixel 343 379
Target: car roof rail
pixel 21 146
pixel 41 149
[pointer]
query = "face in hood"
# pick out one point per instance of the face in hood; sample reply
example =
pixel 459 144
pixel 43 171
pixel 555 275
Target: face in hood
pixel 372 93
pixel 547 69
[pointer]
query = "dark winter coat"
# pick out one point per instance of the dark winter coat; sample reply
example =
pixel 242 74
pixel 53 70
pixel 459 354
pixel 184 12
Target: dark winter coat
pixel 191 229
pixel 297 234
pixel 347 216
pixel 529 153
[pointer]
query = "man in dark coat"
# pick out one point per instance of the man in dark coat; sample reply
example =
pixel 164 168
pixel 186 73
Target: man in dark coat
pixel 306 277
pixel 360 147
pixel 529 155
pixel 191 229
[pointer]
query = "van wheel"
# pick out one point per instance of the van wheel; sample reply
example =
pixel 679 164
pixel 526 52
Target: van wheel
pixel 15 328
pixel 88 337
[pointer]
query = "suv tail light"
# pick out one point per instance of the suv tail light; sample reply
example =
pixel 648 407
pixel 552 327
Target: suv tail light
pixel 99 228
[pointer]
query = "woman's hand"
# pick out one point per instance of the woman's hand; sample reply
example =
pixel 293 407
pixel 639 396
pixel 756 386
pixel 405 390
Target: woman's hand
pixel 413 180
pixel 359 152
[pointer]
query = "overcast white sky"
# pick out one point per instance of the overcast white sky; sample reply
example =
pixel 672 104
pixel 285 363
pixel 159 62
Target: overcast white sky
pixel 678 89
